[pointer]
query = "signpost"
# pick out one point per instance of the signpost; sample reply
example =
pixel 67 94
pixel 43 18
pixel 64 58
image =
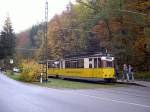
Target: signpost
pixel 41 78
pixel 11 61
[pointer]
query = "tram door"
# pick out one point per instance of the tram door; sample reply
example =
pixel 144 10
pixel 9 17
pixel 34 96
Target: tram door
pixel 94 65
pixel 97 67
pixel 91 63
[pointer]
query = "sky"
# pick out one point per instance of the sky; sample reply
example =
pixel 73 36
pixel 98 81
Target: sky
pixel 25 13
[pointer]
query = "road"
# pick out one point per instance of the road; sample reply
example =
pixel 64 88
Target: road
pixel 20 97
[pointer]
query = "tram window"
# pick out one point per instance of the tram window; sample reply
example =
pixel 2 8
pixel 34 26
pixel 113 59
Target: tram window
pixel 90 59
pixel 99 62
pixel 56 64
pixel 109 64
pixel 50 64
pixel 95 62
pixel 81 63
pixel 67 64
pixel 61 65
pixel 104 63
pixel 90 63
pixel 76 64
pixel 73 64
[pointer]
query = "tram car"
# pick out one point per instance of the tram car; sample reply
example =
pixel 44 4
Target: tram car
pixel 96 66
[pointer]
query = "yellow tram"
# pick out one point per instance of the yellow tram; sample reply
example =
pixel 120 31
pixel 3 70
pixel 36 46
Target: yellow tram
pixel 97 66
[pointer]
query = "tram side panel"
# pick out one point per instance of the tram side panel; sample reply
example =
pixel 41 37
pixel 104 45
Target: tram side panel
pixel 72 72
pixel 83 73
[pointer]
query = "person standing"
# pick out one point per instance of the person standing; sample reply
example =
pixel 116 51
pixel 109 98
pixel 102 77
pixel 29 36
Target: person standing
pixel 130 72
pixel 117 72
pixel 125 72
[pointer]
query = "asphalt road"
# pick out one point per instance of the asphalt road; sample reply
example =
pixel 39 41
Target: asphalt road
pixel 19 97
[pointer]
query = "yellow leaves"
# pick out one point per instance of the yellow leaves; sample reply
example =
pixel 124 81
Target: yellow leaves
pixel 115 26
pixel 138 5
pixel 139 44
pixel 144 6
pixel 30 70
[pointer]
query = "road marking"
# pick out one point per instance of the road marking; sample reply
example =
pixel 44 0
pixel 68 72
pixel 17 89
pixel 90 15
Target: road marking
pixel 119 101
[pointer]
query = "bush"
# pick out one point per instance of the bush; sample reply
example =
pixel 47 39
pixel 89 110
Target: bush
pixel 142 75
pixel 30 71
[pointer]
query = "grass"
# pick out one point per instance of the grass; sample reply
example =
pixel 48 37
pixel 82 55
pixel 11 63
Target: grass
pixel 59 83
pixel 13 75
pixel 67 84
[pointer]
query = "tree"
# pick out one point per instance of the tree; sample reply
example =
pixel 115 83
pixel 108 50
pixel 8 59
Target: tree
pixel 30 42
pixel 7 40
pixel 123 26
pixel 7 43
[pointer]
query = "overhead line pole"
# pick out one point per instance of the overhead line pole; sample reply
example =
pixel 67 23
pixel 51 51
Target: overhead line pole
pixel 45 39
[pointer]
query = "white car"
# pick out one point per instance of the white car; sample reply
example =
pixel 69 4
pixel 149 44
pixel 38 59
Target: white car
pixel 15 69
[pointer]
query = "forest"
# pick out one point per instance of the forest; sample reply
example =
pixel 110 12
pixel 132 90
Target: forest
pixel 120 27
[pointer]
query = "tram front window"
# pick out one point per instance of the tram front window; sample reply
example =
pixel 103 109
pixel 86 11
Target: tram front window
pixel 109 64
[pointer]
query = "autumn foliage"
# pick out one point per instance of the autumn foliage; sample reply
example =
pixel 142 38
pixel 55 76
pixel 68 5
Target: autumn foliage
pixel 122 27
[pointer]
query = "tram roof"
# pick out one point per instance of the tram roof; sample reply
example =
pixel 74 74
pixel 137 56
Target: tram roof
pixel 87 56
pixel 83 55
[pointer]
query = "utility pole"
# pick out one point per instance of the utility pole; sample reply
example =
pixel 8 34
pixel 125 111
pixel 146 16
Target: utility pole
pixel 45 59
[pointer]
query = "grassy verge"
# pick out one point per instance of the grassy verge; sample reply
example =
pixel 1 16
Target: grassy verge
pixel 59 83
pixel 13 75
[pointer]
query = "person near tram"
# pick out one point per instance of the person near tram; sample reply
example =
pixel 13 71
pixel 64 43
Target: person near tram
pixel 117 72
pixel 130 72
pixel 125 73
